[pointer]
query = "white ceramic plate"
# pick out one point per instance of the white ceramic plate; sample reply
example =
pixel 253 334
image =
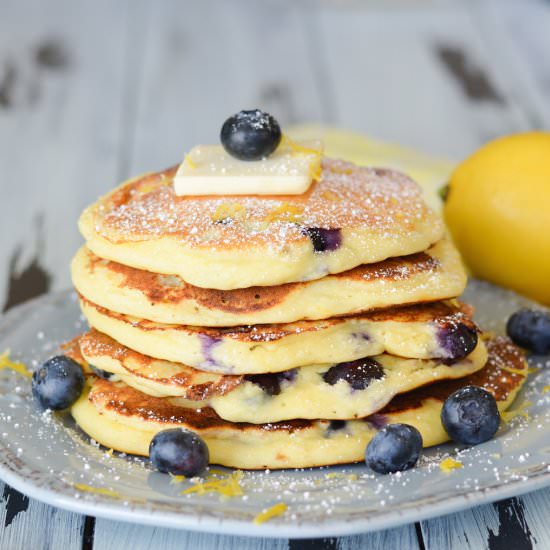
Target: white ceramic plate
pixel 45 455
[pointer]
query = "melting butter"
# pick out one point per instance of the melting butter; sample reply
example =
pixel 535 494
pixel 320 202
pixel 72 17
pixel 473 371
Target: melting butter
pixel 289 170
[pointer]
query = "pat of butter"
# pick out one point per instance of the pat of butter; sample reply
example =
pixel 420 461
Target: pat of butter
pixel 289 170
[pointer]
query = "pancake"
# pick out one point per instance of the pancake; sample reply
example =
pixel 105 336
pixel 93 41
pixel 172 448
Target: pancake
pixel 124 419
pixel 425 331
pixel 436 274
pixel 351 216
pixel 342 391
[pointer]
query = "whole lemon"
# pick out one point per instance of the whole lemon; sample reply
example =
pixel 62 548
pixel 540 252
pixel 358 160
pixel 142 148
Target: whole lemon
pixel 498 212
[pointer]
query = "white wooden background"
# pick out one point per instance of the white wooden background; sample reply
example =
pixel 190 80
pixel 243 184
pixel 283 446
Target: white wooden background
pixel 92 92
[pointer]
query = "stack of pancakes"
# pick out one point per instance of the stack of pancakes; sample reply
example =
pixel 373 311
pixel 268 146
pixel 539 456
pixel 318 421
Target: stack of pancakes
pixel 284 330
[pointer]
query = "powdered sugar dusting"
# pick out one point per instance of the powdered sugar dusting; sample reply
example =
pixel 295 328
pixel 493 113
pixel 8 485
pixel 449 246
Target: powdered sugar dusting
pixel 382 202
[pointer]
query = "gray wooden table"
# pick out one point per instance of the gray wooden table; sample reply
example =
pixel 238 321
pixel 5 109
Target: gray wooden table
pixel 92 92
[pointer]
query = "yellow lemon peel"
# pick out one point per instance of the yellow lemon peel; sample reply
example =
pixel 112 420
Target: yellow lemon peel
pixel 450 464
pixel 7 363
pixel 518 411
pixel 189 162
pixel 546 389
pixel 515 371
pixel 227 487
pixel 297 149
pixel 273 512
pixel 97 490
pixel 330 196
pixel 285 212
pixel 339 475
pixel 227 210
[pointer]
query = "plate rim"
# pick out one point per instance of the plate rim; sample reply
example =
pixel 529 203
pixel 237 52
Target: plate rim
pixel 103 507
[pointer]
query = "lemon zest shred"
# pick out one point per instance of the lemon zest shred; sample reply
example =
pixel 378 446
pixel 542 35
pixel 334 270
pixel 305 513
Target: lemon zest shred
pixel 97 490
pixel 546 389
pixel 315 171
pixel 7 363
pixel 515 371
pixel 298 149
pixel 518 411
pixel 330 196
pixel 229 210
pixel 345 170
pixel 189 162
pixel 285 212
pixel 273 512
pixel 227 487
pixel 532 370
pixel 340 475
pixel 147 188
pixel 450 464
pixel 174 479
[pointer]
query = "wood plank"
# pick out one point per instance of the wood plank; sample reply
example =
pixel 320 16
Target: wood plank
pixel 200 69
pixel 420 76
pixel 115 535
pixel 112 535
pixel 40 527
pixel 401 537
pixel 514 523
pixel 537 510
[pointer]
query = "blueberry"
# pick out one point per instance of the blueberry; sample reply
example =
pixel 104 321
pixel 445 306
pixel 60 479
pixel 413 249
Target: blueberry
pixel 358 374
pixel 457 340
pixel 250 135
pixel 335 425
pixel 58 383
pixel 470 415
pixel 530 329
pixel 393 449
pixel 106 375
pixel 179 452
pixel 271 382
pixel 323 240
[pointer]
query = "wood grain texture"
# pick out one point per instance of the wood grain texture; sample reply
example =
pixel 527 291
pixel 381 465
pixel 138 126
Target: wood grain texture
pixel 112 535
pixel 390 79
pixel 198 70
pixel 400 537
pixel 60 127
pixel 40 527
pixel 518 524
pixel 517 33
pixel 115 536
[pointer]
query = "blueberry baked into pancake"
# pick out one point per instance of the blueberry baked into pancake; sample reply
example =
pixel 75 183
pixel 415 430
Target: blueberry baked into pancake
pixel 263 306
